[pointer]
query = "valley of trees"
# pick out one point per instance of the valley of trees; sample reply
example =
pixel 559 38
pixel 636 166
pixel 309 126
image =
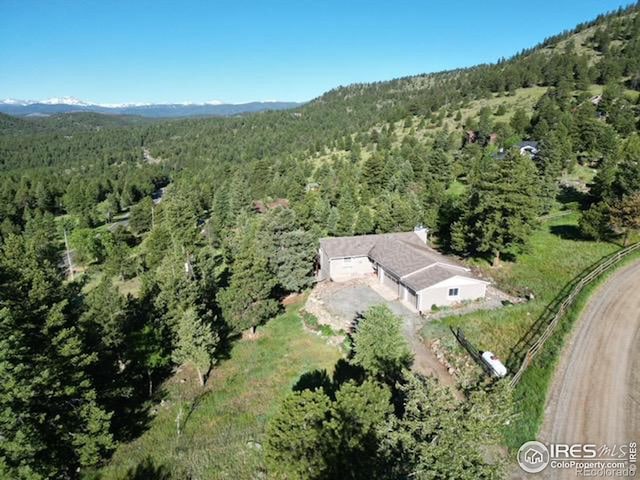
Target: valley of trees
pixel 81 357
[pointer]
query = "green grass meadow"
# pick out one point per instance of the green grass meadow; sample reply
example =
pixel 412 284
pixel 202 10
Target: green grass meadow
pixel 224 424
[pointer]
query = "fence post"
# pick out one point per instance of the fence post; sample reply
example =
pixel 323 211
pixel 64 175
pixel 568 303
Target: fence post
pixel 568 301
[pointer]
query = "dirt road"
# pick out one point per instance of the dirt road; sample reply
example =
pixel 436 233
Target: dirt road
pixel 595 395
pixel 424 360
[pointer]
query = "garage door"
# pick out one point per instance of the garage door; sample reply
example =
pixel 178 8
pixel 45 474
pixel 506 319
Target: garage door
pixel 410 297
pixel 390 282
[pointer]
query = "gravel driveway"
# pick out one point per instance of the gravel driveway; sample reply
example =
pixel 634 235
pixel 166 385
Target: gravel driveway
pixel 350 301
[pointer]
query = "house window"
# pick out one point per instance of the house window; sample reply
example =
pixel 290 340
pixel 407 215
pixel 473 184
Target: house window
pixel 453 292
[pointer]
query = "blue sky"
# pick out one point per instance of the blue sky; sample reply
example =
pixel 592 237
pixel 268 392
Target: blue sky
pixel 238 51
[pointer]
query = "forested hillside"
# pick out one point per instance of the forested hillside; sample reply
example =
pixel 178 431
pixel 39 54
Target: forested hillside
pixel 134 249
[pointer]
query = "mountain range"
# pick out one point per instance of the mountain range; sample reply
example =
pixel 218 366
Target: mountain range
pixel 52 106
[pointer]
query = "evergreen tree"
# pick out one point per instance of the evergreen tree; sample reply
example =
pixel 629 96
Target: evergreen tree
pixel 106 326
pixel 625 215
pixel 503 205
pixel 315 437
pixel 141 216
pixel 290 250
pixel 438 437
pixel 364 223
pixel 42 356
pixel 627 177
pixel 555 154
pixel 196 342
pixel 520 122
pixel 348 210
pixel 299 444
pixel 246 302
pixel 372 172
pixel 379 346
pixel 595 222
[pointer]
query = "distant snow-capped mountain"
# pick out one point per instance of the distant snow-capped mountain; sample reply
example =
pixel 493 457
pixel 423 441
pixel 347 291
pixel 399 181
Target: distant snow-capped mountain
pixel 62 101
pixel 52 106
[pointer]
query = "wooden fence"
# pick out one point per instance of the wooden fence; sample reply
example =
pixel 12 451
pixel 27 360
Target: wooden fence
pixel 473 351
pixel 564 306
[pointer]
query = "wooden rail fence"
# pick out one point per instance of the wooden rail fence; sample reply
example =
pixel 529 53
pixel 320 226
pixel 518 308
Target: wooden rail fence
pixel 473 351
pixel 567 303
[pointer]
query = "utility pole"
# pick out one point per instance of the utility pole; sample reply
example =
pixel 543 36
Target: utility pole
pixel 66 245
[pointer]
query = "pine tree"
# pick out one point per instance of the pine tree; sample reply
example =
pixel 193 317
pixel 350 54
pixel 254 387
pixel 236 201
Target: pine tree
pixel 503 205
pixel 435 431
pixel 627 177
pixel 299 443
pixel 364 223
pixel 141 216
pixel 43 356
pixel 289 248
pixel 180 218
pixel 219 213
pixel 315 437
pixel 106 326
pixel 373 172
pixel 246 302
pixel 625 215
pixel 555 153
pixel 348 209
pixel 196 342
pixel 379 346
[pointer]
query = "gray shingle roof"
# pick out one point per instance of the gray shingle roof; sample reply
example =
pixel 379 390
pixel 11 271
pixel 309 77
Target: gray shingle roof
pixel 529 143
pixel 358 246
pixel 404 255
pixel 432 275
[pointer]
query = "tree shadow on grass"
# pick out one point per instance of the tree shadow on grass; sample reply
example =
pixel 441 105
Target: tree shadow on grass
pixel 569 194
pixel 316 379
pixel 148 470
pixel 567 232
pixel 343 372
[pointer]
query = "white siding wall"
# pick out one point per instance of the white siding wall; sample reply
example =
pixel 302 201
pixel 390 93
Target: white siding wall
pixel 345 268
pixel 468 289
pixel 324 273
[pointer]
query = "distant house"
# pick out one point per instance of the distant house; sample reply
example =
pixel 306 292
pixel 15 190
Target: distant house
pixel 528 147
pixel 417 274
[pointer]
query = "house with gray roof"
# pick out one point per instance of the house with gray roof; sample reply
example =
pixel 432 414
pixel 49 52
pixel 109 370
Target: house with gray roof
pixel 403 262
pixel 528 147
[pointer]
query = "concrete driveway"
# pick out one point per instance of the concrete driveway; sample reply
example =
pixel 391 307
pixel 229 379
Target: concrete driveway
pixel 351 301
